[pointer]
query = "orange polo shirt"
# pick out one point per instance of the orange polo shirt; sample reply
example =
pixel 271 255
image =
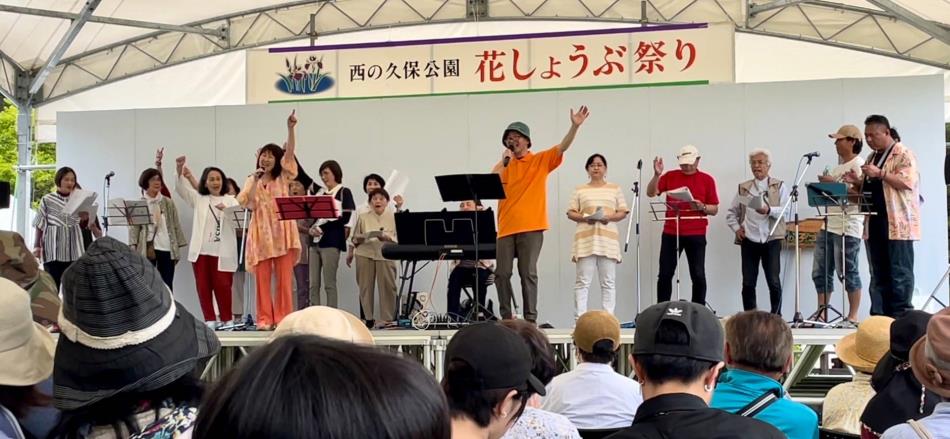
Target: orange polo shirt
pixel 524 208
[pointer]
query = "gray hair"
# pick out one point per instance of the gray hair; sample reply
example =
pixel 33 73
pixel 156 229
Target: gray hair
pixel 761 151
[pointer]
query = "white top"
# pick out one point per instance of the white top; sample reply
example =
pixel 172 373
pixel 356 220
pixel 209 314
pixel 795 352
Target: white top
pixel 756 225
pixel 594 396
pixel 162 241
pixel 539 424
pixel 213 228
pixel 836 223
pixel 204 227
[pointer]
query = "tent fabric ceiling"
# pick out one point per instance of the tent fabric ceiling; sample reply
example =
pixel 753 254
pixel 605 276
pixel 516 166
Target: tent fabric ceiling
pixel 102 53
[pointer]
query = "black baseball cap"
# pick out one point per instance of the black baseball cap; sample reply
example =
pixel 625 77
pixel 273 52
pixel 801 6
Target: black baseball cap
pixel 705 333
pixel 498 355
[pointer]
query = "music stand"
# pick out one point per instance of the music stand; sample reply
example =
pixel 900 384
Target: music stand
pixel 477 187
pixel 128 213
pixel 306 207
pixel 832 195
pixel 677 207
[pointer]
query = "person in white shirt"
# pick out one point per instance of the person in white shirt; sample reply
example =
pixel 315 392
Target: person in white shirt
pixel 210 250
pixel 828 244
pixel 755 212
pixel 594 395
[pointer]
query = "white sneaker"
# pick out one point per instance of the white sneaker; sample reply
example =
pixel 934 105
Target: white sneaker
pixel 213 325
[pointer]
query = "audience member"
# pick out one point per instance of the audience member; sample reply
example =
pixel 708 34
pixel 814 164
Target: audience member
pixel 899 396
pixel 677 356
pixel 594 395
pixel 861 350
pixel 930 362
pixel 18 264
pixel 758 352
pixel 306 386
pixel 488 380
pixel 26 353
pixel 127 355
pixel 535 422
pixel 326 322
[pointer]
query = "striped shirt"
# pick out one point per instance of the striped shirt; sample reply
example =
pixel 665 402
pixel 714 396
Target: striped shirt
pixel 62 236
pixel 597 239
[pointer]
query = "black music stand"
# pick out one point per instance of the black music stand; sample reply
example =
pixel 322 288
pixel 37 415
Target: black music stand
pixel 477 187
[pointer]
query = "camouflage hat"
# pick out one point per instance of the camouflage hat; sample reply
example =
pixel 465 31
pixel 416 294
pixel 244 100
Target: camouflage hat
pixel 19 265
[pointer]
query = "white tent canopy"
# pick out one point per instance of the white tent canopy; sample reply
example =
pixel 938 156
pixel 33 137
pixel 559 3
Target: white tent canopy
pixel 58 55
pixel 61 47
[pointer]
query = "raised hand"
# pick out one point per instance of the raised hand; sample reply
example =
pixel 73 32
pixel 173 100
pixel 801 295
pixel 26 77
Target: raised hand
pixel 657 165
pixel 159 155
pixel 292 119
pixel 180 164
pixel 580 116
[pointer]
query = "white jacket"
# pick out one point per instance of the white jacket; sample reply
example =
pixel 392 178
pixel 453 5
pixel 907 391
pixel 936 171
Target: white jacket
pixel 227 251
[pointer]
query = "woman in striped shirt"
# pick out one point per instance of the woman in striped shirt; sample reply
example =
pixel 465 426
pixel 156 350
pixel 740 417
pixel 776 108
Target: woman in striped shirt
pixel 596 207
pixel 58 234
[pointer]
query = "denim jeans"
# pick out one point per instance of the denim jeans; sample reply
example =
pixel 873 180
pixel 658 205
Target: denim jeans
pixel 828 250
pixel 769 253
pixel 892 274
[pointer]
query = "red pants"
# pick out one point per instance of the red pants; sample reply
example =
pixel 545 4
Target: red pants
pixel 211 282
pixel 272 311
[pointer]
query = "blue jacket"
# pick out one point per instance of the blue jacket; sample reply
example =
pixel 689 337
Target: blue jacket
pixel 737 388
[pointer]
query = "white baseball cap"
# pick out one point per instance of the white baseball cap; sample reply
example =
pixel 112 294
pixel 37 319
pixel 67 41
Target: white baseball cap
pixel 688 155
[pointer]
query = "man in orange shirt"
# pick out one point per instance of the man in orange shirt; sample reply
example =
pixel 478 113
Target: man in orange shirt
pixel 522 215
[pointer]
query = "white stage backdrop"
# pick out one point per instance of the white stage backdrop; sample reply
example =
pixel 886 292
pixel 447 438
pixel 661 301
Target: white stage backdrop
pixel 426 136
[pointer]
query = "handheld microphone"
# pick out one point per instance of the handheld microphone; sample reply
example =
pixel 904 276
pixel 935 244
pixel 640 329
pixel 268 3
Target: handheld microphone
pixel 110 175
pixel 812 155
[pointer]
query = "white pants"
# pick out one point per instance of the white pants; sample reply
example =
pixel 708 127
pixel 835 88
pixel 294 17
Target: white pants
pixel 606 269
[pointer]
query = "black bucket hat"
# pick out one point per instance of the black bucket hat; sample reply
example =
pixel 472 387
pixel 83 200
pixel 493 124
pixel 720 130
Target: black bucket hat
pixel 121 329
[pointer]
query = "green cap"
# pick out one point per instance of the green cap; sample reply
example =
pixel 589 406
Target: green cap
pixel 520 128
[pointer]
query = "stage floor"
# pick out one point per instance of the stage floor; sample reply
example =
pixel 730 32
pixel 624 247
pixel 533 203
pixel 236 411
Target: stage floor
pixel 428 346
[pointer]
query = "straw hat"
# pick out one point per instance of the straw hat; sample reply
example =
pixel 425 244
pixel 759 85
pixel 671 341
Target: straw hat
pixel 26 348
pixel 865 347
pixel 325 322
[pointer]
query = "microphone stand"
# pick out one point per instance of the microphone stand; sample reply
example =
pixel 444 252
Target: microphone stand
pixel 636 208
pixel 792 202
pixel 105 205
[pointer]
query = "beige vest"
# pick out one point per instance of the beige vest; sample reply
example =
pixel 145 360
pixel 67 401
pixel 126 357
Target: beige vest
pixel 775 199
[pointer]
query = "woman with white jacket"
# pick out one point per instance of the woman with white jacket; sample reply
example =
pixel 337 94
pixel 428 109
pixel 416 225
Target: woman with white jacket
pixel 211 250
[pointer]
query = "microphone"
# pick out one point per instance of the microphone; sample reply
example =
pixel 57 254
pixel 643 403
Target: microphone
pixel 505 161
pixel 812 155
pixel 110 175
pixel 640 164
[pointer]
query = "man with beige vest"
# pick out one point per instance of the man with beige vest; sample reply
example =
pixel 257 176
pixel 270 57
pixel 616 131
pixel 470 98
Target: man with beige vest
pixel 755 210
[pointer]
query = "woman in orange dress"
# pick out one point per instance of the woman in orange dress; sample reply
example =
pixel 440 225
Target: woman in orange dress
pixel 273 246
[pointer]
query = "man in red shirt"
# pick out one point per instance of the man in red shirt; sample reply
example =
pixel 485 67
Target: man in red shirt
pixel 692 232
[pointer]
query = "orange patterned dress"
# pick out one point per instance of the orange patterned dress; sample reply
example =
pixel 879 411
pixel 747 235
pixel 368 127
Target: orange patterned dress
pixel 269 237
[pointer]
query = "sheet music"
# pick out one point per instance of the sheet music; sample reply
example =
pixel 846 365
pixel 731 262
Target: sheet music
pixel 681 194
pixel 754 202
pixel 596 216
pixel 397 183
pixel 81 200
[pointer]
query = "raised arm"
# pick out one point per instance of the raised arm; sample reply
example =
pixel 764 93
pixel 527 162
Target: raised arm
pixel 288 162
pixel 652 190
pixel 577 119
pixel 183 186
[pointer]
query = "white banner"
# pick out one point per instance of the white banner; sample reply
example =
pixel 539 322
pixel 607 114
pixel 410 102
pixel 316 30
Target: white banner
pixel 685 54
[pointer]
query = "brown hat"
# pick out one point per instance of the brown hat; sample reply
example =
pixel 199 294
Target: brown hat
pixel 930 356
pixel 863 348
pixel 847 131
pixel 594 326
pixel 325 322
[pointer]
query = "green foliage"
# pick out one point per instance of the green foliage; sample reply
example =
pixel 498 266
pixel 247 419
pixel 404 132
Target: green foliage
pixel 43 153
